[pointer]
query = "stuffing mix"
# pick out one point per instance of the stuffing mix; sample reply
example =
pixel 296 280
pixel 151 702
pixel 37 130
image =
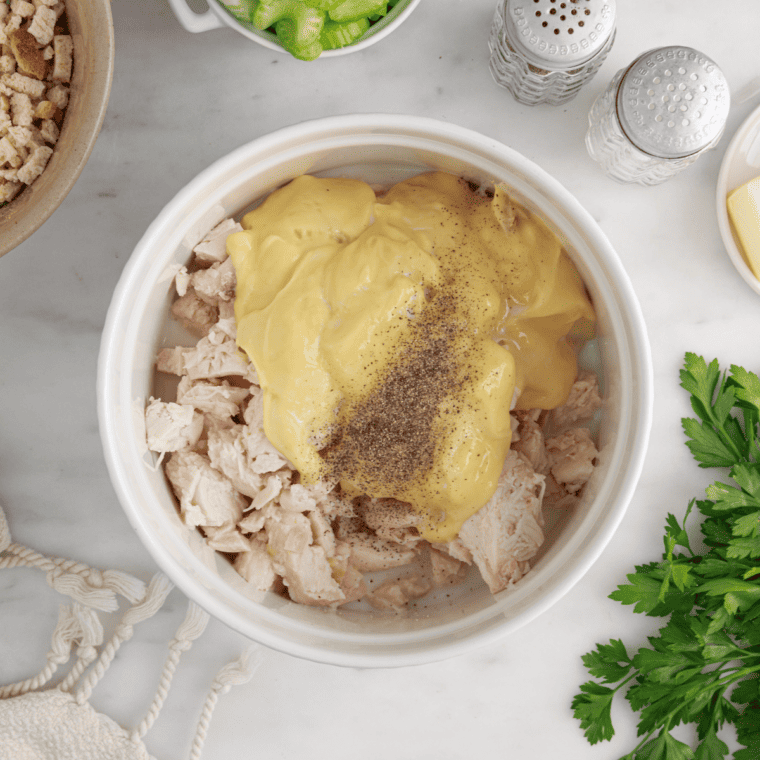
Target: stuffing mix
pixel 307 542
pixel 36 59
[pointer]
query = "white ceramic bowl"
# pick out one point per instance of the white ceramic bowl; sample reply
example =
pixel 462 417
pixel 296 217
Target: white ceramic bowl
pixel 216 17
pixel 377 148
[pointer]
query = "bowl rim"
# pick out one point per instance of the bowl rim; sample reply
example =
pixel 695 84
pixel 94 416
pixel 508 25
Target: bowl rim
pixel 576 557
pixel 98 90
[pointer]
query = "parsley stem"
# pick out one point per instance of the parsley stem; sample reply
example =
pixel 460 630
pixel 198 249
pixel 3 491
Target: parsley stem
pixel 737 674
pixel 624 682
pixel 729 441
pixel 750 421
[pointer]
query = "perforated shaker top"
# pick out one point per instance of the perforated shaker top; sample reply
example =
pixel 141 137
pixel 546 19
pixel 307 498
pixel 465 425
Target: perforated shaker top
pixel 673 101
pixel 559 34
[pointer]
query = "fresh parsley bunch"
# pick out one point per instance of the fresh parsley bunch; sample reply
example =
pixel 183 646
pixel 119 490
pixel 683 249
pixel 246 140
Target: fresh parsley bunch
pixel 704 667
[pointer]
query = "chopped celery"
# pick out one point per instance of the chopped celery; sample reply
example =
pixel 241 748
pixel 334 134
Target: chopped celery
pixel 306 22
pixel 306 27
pixel 242 10
pixel 323 5
pixel 353 10
pixel 337 34
pixel 288 35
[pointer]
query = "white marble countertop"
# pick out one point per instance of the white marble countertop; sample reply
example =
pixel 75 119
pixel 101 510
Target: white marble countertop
pixel 180 101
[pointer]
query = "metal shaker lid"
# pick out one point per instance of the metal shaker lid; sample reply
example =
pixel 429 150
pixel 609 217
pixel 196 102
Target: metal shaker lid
pixel 672 102
pixel 559 34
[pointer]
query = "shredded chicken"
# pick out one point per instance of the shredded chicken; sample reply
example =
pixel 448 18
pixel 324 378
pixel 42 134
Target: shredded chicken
pixel 571 457
pixel 581 404
pixel 506 532
pixel 308 541
pixel 171 427
pixel 206 497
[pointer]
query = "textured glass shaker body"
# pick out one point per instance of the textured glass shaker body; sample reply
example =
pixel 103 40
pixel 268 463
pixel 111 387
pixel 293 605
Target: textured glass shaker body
pixel 658 116
pixel 544 51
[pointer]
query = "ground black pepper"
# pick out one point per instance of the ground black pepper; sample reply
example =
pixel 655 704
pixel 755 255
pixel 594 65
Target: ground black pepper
pixel 389 438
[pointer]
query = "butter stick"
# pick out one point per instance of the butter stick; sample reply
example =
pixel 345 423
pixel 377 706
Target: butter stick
pixel 744 212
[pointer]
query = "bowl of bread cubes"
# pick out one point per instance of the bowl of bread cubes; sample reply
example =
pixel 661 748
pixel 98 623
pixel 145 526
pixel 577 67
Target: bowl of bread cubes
pixel 56 67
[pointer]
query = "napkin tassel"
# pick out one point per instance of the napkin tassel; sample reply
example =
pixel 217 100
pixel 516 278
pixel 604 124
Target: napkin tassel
pixel 237 672
pixel 192 627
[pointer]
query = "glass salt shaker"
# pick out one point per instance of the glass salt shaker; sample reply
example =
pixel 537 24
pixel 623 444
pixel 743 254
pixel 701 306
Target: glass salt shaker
pixel 544 51
pixel 658 116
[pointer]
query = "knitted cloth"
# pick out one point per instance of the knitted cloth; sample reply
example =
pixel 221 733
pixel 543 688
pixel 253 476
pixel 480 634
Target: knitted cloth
pixel 57 722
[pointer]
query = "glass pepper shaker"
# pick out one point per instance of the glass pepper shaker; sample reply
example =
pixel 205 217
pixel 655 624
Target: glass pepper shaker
pixel 658 115
pixel 544 51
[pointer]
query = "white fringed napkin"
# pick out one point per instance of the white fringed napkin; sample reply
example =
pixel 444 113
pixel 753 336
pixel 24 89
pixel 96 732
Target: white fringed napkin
pixel 57 722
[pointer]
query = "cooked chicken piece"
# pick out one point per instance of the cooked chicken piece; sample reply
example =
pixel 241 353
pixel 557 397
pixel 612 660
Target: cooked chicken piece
pixel 254 520
pixel 214 397
pixel 214 246
pixel 255 564
pixel 395 595
pixel 171 427
pixel 455 549
pixel 304 568
pixel 323 533
pixel 195 314
pixel 226 538
pixel 303 498
pixel 556 496
pixel 369 552
pixel 171 361
pixel 571 457
pixel 390 519
pixel 447 571
pixel 206 497
pixel 530 440
pixel 581 404
pixel 182 281
pixel 338 555
pixel 352 585
pixel 226 328
pixel 217 283
pixel 263 454
pixel 228 453
pixel 506 532
pixel 209 359
pixel 330 501
pixel 226 311
pixel 273 485
pixel 214 356
pixel 211 424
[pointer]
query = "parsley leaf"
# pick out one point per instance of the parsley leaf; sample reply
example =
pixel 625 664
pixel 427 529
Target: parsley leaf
pixel 643 592
pixel 704 666
pixel 592 707
pixel 609 662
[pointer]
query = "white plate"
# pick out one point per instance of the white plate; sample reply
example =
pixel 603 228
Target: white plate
pixel 741 163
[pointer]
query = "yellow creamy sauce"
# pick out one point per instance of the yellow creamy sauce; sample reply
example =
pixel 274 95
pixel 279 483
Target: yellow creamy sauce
pixel 394 333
